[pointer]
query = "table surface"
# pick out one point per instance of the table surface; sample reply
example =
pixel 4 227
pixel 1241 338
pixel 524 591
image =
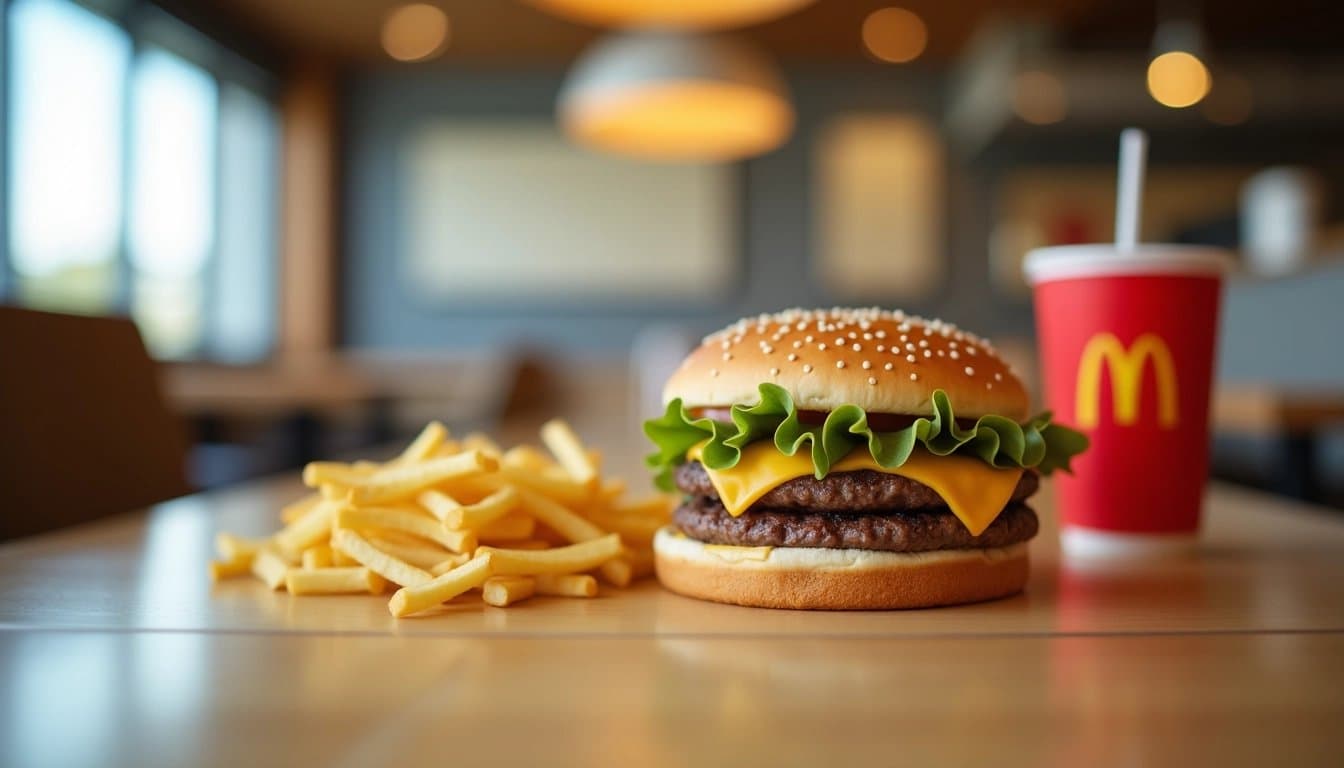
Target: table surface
pixel 116 649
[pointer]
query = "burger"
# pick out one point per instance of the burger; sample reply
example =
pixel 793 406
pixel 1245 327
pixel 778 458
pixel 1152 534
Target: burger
pixel 849 459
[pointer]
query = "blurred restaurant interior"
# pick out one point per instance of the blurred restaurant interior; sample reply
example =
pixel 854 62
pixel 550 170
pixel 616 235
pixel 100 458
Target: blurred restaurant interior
pixel 331 220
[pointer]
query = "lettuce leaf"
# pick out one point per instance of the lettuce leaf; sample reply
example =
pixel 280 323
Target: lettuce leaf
pixel 996 440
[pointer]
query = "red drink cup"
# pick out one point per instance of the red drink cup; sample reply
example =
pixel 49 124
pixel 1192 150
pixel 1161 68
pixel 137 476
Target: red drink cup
pixel 1127 346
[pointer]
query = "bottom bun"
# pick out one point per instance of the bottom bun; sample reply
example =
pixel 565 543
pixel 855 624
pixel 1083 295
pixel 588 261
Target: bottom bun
pixel 835 579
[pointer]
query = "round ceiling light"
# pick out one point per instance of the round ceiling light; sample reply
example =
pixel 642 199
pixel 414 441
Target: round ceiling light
pixel 675 96
pixel 678 14
pixel 415 32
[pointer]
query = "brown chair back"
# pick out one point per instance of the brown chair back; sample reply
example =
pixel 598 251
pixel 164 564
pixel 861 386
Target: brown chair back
pixel 84 429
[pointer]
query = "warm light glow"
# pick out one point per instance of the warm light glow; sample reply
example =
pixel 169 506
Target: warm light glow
pixel 1178 79
pixel 1039 98
pixel 895 35
pixel 1230 102
pixel 691 120
pixel 415 32
pixel 673 14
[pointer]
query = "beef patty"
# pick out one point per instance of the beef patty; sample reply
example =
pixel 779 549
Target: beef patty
pixel 704 518
pixel 861 491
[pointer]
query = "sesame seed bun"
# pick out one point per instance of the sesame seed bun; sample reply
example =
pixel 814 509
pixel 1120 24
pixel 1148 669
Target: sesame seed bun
pixel 837 579
pixel 885 362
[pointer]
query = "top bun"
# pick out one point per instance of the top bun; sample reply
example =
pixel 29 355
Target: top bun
pixel 881 361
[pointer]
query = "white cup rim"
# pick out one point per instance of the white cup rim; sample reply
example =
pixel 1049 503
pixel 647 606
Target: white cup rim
pixel 1064 262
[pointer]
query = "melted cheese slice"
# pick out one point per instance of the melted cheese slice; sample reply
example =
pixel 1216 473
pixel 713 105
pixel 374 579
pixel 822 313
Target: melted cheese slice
pixel 974 491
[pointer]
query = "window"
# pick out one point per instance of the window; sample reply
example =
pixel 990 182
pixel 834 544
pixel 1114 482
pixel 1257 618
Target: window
pixel 65 148
pixel 140 180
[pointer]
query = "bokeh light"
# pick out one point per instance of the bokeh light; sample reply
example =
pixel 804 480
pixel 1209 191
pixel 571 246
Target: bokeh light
pixel 415 32
pixel 1178 79
pixel 1039 97
pixel 895 35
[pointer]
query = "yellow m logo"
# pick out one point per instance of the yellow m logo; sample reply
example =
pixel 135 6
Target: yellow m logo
pixel 1126 367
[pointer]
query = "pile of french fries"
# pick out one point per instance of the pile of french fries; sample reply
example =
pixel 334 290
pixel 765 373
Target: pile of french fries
pixel 446 517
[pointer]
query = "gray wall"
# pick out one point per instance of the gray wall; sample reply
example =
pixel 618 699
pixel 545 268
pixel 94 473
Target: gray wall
pixel 775 236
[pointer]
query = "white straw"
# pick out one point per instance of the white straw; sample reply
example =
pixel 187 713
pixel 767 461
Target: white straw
pixel 1129 194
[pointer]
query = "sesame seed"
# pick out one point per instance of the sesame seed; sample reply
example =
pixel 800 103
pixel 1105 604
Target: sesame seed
pixel 767 349
pixel 914 377
pixel 953 354
pixel 911 358
pixel 797 344
pixel 727 355
pixel 857 347
pixel 905 337
pixel 807 369
pixel 970 350
pixel 881 334
pixel 777 337
pixel 970 371
pixel 928 353
pixel 792 357
pixel 872 380
pixel 881 347
pixel 774 371
pixel 724 344
pixel 923 343
pixel 853 335
pixel 941 353
pixel 867 365
pixel 839 341
pixel 808 338
pixel 713 371
pixel 998 377
pixel 989 385
pixel 888 367
pixel 839 363
pixel 867 337
pixel 910 347
pixel 822 346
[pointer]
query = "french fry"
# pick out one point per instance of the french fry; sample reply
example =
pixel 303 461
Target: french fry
pixel 341 560
pixel 440 589
pixel 270 568
pixel 561 488
pixel 502 591
pixel 558 517
pixel 394 569
pixel 618 572
pixel 611 490
pixel 312 528
pixel 513 527
pixel 424 445
pixel 526 458
pixel 569 451
pixel 230 547
pixel 448 564
pixel 333 492
pixel 419 554
pixel 318 556
pixel 333 581
pixel 294 510
pixel 319 473
pixel 487 510
pixel 398 519
pixel 659 507
pixel 634 529
pixel 438 503
pixel 575 557
pixel 230 567
pixel 566 584
pixel 530 544
pixel 477 441
pixel 400 482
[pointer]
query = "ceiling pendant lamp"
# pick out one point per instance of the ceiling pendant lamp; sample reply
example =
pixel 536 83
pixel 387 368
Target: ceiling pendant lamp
pixel 675 96
pixel 680 14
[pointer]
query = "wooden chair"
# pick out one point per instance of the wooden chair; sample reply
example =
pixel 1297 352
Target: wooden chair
pixel 84 429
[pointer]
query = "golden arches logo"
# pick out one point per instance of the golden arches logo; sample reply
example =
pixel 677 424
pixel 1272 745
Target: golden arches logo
pixel 1126 367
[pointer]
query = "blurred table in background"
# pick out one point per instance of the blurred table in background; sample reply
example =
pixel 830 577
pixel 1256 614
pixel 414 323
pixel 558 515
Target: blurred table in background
pixel 1292 419
pixel 380 396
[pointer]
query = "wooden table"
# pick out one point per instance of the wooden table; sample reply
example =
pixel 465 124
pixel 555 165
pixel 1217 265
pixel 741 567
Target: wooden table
pixel 117 650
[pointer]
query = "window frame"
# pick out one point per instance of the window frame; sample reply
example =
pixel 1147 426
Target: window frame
pixel 196 41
